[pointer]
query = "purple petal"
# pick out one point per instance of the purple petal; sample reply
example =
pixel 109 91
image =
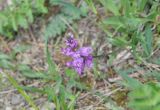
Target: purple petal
pixel 85 51
pixel 75 55
pixel 69 64
pixel 79 70
pixel 71 42
pixel 79 62
pixel 89 61
pixel 67 51
pixel 77 65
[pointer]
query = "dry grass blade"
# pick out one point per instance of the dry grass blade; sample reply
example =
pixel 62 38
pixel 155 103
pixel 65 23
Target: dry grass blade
pixel 133 75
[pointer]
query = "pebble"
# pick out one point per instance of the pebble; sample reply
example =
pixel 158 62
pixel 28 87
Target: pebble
pixel 48 106
pixel 1 105
pixel 16 99
pixel 8 108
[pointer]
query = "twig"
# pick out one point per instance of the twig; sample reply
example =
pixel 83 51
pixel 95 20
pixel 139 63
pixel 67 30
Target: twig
pixel 136 74
pixel 154 66
pixel 8 91
pixel 90 107
pixel 82 97
pixel 31 34
pixel 112 92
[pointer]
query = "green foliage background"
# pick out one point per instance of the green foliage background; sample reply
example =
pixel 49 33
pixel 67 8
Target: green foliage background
pixel 19 14
pixel 68 13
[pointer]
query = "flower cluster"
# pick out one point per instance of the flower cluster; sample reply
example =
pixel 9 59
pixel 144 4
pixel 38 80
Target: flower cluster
pixel 81 57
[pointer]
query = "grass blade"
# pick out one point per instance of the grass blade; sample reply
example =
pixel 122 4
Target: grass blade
pixel 21 91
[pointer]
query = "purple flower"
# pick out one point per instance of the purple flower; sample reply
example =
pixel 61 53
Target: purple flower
pixel 67 51
pixel 89 61
pixel 78 65
pixel 71 42
pixel 81 58
pixel 0 70
pixel 85 51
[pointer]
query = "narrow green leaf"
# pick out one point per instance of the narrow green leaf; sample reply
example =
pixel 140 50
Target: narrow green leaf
pixel 26 71
pixel 119 41
pixel 141 4
pixel 114 21
pixel 130 82
pixel 52 66
pixel 111 6
pixel 13 22
pixel 6 64
pixel 29 15
pixel 126 7
pixel 4 56
pixel 148 40
pixel 33 89
pixel 91 4
pixel 22 92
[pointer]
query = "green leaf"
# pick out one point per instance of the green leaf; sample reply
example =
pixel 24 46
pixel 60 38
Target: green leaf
pixel 70 73
pixel 91 4
pixel 57 2
pixel 5 61
pixel 111 6
pixel 21 48
pixel 114 21
pixel 71 10
pixel 84 9
pixel 118 41
pixel 58 23
pixel 35 75
pixel 29 15
pixel 55 27
pixel 148 40
pixel 33 89
pixel 6 64
pixel 52 69
pixel 13 22
pixel 4 56
pixel 39 6
pixel 126 7
pixel 141 4
pixel 21 91
pixel 145 97
pixel 22 22
pixel 129 82
pixel 58 85
pixel 19 14
pixel 27 72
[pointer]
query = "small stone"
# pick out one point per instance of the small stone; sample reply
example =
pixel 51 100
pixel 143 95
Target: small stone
pixel 31 108
pixel 48 106
pixel 16 99
pixel 1 105
pixel 8 108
